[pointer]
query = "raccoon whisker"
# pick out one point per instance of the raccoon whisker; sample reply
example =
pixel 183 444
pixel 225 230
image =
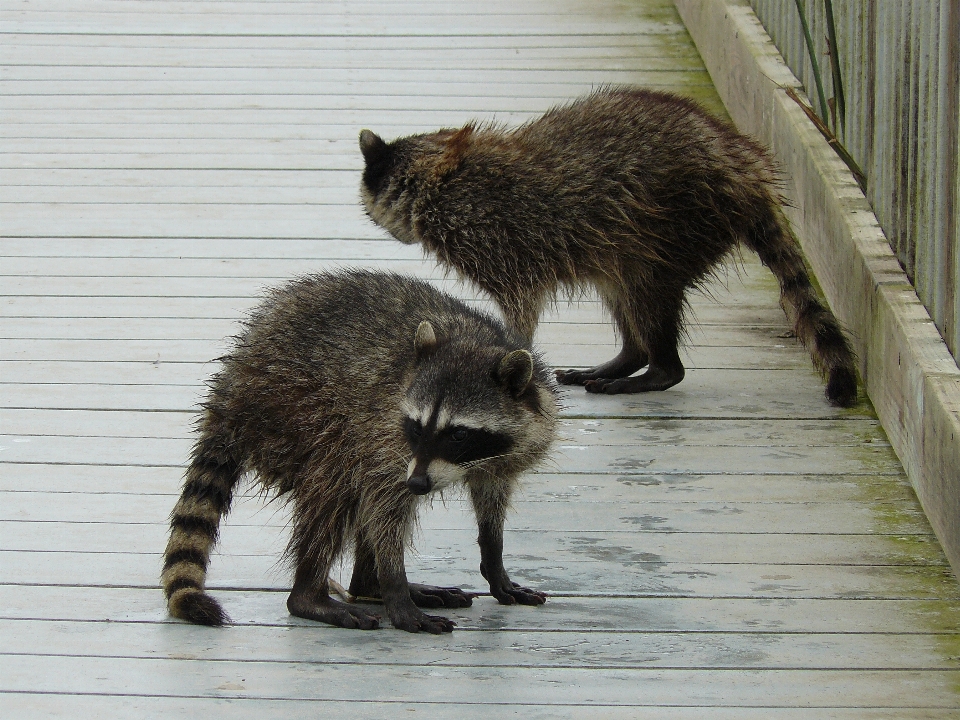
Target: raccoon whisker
pixel 482 461
pixel 399 455
pixel 551 463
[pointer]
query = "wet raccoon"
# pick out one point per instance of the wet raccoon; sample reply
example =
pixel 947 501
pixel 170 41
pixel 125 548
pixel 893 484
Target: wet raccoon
pixel 353 395
pixel 638 193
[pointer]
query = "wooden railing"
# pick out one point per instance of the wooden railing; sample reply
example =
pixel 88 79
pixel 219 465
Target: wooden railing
pixel 899 69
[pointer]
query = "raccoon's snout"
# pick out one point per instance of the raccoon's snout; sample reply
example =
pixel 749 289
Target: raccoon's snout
pixel 419 484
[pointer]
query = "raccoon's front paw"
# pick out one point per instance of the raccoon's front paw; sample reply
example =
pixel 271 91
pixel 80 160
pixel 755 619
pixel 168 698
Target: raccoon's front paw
pixel 429 596
pixel 412 620
pixel 573 377
pixel 508 592
pixel 626 363
pixel 513 594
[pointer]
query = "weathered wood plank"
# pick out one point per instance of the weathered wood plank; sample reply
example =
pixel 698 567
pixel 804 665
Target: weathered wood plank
pixel 635 514
pixel 43 705
pixel 569 8
pixel 668 453
pixel 552 649
pixel 135 47
pixel 703 312
pixel 571 614
pixel 142 371
pixel 902 545
pixel 566 577
pixel 353 25
pixel 544 485
pixel 717 393
pixel 340 107
pixel 265 221
pixel 380 248
pixel 342 121
pixel 29 56
pixel 26 191
pixel 502 85
pixel 151 362
pixel 520 75
pixel 229 265
pixel 215 330
pixel 34 424
pixel 541 686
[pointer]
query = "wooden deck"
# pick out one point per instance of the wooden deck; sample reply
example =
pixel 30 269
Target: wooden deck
pixel 732 548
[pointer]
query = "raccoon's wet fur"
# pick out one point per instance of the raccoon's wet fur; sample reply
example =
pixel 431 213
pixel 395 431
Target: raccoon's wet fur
pixel 353 395
pixel 638 193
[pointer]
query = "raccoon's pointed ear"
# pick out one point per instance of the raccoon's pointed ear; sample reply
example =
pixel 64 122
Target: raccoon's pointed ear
pixel 425 340
pixel 515 371
pixel 372 146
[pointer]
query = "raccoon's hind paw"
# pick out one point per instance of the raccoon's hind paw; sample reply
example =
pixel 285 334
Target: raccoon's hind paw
pixel 654 379
pixel 330 611
pixel 429 596
pixel 626 363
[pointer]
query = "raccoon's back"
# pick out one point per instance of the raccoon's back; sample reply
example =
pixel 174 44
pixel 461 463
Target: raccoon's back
pixel 332 349
pixel 624 130
pixel 598 173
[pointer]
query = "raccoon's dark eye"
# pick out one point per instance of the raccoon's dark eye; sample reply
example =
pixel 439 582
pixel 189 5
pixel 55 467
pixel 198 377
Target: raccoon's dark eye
pixel 460 434
pixel 413 429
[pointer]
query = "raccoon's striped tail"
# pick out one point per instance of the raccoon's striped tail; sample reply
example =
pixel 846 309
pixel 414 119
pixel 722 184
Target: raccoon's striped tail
pixel 813 323
pixel 194 524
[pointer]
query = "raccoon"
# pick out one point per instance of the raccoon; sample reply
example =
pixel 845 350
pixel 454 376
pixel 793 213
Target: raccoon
pixel 638 193
pixel 354 395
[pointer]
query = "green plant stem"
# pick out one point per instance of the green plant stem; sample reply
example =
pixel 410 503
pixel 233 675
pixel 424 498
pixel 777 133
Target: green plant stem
pixel 835 66
pixel 813 61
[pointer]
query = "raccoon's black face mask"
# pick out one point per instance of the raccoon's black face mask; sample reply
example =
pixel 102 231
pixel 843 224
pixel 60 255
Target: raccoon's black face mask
pixel 442 455
pixel 463 408
pixel 456 444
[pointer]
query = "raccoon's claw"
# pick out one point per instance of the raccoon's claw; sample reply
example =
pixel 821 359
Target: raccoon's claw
pixel 571 377
pixel 436 621
pixel 519 595
pixel 429 596
pixel 604 387
pixel 417 621
pixel 509 593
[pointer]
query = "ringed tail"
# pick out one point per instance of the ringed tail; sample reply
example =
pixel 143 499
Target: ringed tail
pixel 194 525
pixel 813 323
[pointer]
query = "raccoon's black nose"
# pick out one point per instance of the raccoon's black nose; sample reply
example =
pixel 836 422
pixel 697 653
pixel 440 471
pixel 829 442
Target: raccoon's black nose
pixel 419 484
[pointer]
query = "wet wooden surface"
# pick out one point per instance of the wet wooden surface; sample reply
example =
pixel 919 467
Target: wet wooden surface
pixel 731 548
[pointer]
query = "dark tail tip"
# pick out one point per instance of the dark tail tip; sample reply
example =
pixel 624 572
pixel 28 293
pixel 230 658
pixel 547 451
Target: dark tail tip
pixel 842 387
pixel 198 607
